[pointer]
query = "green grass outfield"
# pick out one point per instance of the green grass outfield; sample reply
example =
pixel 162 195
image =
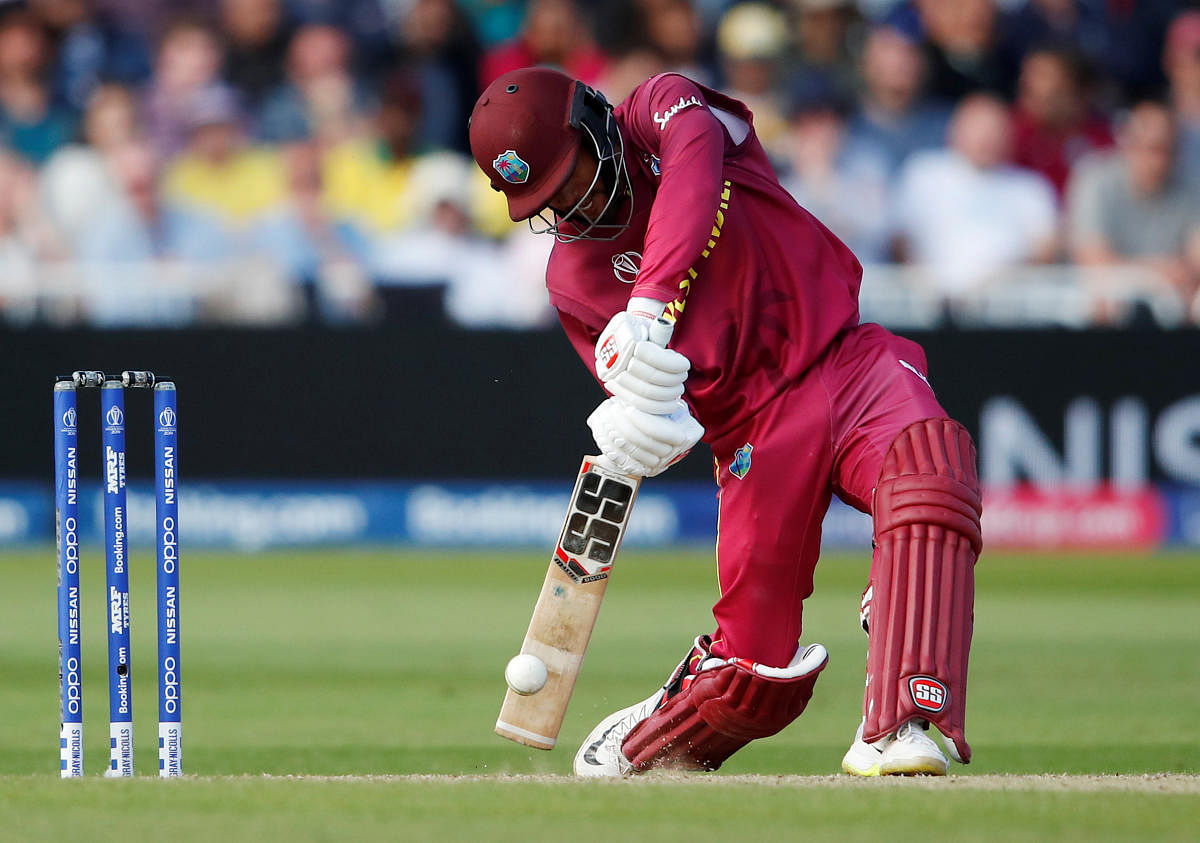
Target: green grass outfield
pixel 351 695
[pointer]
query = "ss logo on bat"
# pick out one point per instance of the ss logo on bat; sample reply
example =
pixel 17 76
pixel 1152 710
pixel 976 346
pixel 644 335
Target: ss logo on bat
pixel 593 529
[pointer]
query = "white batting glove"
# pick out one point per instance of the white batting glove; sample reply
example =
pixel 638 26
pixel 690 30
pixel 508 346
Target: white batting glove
pixel 635 369
pixel 641 444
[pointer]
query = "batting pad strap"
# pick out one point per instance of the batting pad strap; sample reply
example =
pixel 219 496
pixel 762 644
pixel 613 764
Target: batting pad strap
pixel 927 539
pixel 932 500
pixel 722 710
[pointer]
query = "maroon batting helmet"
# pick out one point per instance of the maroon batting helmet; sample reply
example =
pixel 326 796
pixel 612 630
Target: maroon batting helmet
pixel 526 130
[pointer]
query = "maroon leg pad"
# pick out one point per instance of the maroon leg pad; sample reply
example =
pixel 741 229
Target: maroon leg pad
pixel 722 710
pixel 927 538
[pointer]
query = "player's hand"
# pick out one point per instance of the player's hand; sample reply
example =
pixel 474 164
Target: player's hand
pixel 639 443
pixel 636 370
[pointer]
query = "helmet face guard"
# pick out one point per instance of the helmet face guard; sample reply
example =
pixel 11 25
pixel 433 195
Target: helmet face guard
pixel 592 116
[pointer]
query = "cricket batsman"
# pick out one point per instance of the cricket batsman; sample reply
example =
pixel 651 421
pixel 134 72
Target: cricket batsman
pixel 666 205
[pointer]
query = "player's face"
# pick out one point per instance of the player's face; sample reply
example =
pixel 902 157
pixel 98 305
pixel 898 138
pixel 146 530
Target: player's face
pixel 583 198
pixel 596 200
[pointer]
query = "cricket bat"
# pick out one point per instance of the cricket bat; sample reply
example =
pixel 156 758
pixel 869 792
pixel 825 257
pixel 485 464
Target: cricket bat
pixel 569 603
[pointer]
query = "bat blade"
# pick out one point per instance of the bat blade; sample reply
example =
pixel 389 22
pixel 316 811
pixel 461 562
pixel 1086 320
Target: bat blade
pixel 566 610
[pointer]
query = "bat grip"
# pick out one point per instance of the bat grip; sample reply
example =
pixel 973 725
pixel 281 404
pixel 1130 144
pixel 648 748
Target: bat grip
pixel 660 331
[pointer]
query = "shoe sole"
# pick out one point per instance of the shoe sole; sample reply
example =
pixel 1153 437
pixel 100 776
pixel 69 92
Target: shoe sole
pixel 907 767
pixel 869 772
pixel 914 767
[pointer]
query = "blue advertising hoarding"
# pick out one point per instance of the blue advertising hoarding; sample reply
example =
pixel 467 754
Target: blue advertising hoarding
pixel 258 515
pixel 251 516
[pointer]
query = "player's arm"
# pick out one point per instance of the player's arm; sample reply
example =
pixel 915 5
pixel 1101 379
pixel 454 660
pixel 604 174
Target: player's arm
pixel 671 117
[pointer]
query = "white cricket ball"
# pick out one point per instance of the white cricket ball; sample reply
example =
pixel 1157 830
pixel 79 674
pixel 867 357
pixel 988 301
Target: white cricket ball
pixel 526 674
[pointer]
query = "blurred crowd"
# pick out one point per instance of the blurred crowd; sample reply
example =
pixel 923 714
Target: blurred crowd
pixel 307 159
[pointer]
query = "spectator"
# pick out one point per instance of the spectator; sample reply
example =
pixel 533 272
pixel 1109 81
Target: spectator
pixel 621 27
pixel 554 33
pixel 893 113
pixel 652 35
pixel 440 45
pixel 138 226
pixel 31 125
pixel 18 240
pixel 1181 60
pixel 965 213
pixel 257 39
pixel 822 30
pixel 321 98
pixel 90 47
pixel 217 172
pixel 484 283
pixel 77 185
pixel 364 22
pixel 841 180
pixel 1054 124
pixel 150 18
pixel 112 117
pixel 240 190
pixel 504 286
pixel 963 48
pixel 314 250
pixel 128 252
pixel 626 71
pixel 673 30
pixel 189 59
pixel 377 186
pixel 751 44
pixel 495 21
pixel 1135 210
pixel 1121 39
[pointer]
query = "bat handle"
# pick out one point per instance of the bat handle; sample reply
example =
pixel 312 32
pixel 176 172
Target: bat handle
pixel 660 331
pixel 660 334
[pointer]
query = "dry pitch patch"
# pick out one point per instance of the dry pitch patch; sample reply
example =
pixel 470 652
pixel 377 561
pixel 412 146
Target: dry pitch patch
pixel 1169 783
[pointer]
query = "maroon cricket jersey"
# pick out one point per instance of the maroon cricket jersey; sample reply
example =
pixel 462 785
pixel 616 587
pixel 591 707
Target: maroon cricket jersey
pixel 759 287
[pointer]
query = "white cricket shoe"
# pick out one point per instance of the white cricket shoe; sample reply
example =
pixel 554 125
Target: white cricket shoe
pixel 906 752
pixel 600 755
pixel 862 758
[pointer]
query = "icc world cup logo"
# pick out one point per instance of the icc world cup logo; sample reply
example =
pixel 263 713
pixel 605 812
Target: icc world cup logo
pixel 626 266
pixel 115 417
pixel 167 417
pixel 70 417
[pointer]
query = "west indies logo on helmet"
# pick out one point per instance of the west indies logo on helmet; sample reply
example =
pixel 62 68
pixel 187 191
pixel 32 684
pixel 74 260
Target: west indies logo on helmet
pixel 527 130
pixel 511 168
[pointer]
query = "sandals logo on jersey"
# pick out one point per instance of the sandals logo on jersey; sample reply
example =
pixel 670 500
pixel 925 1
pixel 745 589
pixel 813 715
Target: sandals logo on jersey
pixel 662 118
pixel 928 693
pixel 511 168
pixel 626 266
pixel 741 461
